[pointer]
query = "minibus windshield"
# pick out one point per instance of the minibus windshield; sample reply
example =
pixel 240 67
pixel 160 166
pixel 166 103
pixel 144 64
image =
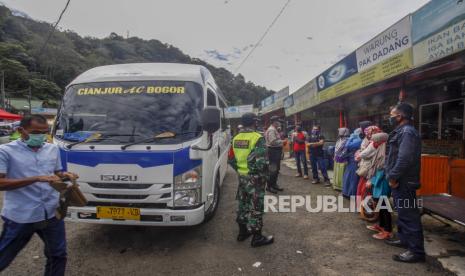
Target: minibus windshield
pixel 130 111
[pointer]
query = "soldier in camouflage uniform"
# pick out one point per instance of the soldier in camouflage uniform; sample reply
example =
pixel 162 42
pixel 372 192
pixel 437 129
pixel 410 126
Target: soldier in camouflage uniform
pixel 248 158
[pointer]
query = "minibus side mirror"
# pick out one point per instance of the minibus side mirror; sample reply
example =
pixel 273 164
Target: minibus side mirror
pixel 211 119
pixel 211 122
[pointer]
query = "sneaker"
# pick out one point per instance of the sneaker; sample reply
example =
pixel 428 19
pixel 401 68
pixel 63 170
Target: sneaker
pixel 375 227
pixel 327 183
pixel 382 235
pixel 298 175
pixel 409 257
pixel 305 176
pixel 316 181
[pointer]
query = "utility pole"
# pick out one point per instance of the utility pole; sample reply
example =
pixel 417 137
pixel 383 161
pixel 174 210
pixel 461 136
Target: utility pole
pixel 3 89
pixel 29 99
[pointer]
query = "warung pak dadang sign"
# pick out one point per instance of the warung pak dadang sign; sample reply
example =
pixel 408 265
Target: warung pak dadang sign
pixel 389 43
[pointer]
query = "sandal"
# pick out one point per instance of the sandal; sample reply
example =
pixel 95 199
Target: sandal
pixel 382 235
pixel 375 227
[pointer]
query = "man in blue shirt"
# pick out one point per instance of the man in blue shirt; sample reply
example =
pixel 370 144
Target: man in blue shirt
pixel 316 143
pixel 402 166
pixel 27 166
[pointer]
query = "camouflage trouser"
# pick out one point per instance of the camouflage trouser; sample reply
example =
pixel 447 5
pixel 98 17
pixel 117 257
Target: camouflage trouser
pixel 251 193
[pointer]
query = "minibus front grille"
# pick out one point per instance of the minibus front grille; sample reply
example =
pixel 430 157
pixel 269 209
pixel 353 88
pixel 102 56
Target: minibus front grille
pixel 132 205
pixel 131 186
pixel 105 196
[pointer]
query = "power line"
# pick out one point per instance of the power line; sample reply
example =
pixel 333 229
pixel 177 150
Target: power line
pixel 263 36
pixel 53 29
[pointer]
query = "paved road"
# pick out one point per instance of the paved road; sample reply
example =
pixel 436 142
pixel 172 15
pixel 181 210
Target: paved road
pixel 330 244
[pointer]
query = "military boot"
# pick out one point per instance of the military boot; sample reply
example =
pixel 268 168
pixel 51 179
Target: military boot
pixel 244 233
pixel 260 240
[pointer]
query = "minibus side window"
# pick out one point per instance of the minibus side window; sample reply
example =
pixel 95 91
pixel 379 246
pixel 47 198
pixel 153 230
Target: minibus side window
pixel 211 98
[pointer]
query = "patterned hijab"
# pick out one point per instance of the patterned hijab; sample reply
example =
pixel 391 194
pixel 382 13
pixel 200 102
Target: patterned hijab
pixel 369 131
pixel 339 151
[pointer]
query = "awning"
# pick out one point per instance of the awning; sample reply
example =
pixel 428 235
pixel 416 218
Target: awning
pixel 9 116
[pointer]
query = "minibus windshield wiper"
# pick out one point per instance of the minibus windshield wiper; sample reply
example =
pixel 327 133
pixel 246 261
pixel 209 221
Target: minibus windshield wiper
pixel 97 137
pixel 163 135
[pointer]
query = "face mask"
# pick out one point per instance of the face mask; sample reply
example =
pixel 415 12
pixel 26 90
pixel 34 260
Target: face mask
pixel 315 132
pixel 393 121
pixel 362 135
pixel 36 140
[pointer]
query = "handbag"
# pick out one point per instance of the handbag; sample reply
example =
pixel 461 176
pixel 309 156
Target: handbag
pixel 362 170
pixel 70 195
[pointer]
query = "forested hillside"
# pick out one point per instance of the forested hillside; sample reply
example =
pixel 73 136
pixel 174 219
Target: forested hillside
pixel 48 70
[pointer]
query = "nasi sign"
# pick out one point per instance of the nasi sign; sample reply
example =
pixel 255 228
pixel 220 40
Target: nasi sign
pixel 131 90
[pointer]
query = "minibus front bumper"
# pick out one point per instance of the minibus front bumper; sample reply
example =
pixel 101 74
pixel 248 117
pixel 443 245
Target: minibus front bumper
pixel 148 217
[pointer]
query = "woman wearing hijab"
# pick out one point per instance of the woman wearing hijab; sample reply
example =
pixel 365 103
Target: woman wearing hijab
pixel 340 157
pixel 365 160
pixel 376 152
pixel 350 178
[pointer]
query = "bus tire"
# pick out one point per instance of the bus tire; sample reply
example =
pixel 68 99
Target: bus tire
pixel 210 213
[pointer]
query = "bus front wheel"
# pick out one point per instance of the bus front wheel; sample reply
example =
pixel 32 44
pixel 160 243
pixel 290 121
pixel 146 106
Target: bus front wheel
pixel 216 199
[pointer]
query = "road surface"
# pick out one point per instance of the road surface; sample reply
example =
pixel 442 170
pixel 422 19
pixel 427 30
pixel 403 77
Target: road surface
pixel 306 244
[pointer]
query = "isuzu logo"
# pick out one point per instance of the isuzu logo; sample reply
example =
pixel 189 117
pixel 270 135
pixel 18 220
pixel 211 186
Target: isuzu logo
pixel 118 177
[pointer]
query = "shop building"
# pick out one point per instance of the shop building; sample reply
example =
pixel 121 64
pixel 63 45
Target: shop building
pixel 419 60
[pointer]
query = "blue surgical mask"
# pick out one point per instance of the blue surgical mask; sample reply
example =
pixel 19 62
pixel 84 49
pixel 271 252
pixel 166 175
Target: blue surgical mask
pixel 315 132
pixel 36 140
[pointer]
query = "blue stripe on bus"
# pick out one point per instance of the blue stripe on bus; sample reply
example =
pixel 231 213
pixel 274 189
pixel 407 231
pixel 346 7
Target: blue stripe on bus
pixel 180 159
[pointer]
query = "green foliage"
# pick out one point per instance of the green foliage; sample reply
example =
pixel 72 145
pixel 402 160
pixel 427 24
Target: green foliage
pixel 16 74
pixel 67 54
pixel 44 87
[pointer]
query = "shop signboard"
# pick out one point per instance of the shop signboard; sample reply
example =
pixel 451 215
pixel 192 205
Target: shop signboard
pixel 268 101
pixel 277 100
pixel 387 55
pixel 390 67
pixel 338 72
pixel 237 111
pixel 391 42
pixel 303 98
pixel 288 101
pixel 282 93
pixel 438 30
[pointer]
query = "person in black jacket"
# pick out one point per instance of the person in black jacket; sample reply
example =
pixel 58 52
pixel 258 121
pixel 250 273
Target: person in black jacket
pixel 403 172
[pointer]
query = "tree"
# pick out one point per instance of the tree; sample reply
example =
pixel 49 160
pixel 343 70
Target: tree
pixel 67 54
pixel 45 88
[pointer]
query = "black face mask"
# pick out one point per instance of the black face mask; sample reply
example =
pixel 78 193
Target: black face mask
pixel 362 135
pixel 393 121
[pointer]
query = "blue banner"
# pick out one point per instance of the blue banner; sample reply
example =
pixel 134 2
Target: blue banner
pixel 338 72
pixel 436 16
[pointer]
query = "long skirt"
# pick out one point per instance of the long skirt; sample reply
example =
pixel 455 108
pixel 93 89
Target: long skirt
pixel 350 179
pixel 361 188
pixel 338 175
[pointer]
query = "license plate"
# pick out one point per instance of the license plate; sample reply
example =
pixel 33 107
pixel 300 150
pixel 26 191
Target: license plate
pixel 104 212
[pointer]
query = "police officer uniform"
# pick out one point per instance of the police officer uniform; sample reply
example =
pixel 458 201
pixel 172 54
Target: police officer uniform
pixel 248 158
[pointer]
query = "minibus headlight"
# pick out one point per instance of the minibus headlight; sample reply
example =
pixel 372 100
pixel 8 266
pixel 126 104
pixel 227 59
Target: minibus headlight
pixel 188 188
pixel 187 198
